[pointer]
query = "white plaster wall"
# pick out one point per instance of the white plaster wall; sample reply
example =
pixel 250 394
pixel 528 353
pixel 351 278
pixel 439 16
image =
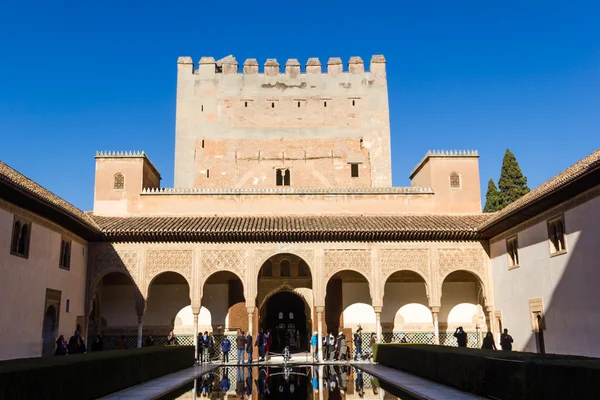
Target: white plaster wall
pixel 568 284
pixel 454 294
pixel 23 288
pixel 398 294
pixel 356 303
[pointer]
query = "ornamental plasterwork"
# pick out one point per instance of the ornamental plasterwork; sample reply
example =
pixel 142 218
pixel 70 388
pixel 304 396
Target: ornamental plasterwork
pixel 106 259
pixel 223 260
pixel 158 261
pixel 350 259
pixel 261 256
pixel 395 260
pixel 451 260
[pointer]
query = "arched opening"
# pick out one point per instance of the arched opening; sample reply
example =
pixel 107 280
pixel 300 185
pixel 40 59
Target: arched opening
pixel 462 305
pixel 114 311
pixel 223 297
pixel 345 289
pixel 168 293
pixel 285 284
pixel 286 315
pixel 405 315
pixel 49 330
pixel 539 334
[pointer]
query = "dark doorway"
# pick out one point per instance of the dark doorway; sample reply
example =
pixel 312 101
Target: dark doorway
pixel 285 315
pixel 49 331
pixel 540 334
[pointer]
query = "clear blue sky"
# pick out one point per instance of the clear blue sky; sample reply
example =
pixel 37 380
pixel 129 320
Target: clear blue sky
pixel 76 77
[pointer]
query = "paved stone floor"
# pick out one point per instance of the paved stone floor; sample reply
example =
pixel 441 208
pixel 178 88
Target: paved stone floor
pixel 414 385
pixel 165 384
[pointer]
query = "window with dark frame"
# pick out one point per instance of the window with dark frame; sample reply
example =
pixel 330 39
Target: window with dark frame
pixel 285 268
pixel 21 234
pixel 556 235
pixel 119 181
pixel 282 177
pixel 65 254
pixel 454 180
pixel 354 170
pixel 512 249
pixel 302 268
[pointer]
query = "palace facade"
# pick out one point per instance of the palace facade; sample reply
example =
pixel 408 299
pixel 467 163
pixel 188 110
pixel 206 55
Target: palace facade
pixel 283 217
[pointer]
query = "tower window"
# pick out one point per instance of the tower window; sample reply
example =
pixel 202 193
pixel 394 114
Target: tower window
pixel 454 180
pixel 353 103
pixel 65 254
pixel 282 177
pixel 512 249
pixel 272 105
pixel 202 143
pixel 20 238
pixel 208 173
pixel 202 108
pixel 119 181
pixel 556 235
pixel 354 170
pixel 298 104
pixel 324 104
pixel 245 104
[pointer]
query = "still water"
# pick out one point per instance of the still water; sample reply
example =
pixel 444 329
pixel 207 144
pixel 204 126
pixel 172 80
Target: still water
pixel 327 382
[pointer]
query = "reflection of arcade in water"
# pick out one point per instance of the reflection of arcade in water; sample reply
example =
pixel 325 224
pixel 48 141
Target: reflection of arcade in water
pixel 331 382
pixel 284 315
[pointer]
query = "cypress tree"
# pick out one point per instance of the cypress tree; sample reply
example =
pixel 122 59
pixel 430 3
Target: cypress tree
pixel 512 182
pixel 492 198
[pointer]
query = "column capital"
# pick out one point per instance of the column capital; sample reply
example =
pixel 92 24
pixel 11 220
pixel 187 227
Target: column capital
pixel 196 310
pixel 320 309
pixel 489 309
pixel 250 310
pixel 377 309
pixel 435 309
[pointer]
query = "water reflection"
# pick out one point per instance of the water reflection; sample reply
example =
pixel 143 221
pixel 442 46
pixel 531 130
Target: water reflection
pixel 328 382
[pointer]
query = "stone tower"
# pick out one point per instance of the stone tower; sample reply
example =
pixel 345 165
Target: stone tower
pixel 310 129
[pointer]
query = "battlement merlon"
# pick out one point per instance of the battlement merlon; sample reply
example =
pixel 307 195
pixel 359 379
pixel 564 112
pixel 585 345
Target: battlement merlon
pixel 443 154
pixel 208 66
pixel 128 154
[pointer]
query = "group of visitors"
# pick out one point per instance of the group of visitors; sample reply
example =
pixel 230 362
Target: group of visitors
pixel 335 348
pixel 76 345
pixel 506 340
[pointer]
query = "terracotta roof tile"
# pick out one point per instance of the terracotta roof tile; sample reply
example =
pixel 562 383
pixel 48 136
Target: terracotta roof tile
pixel 15 179
pixel 570 174
pixel 267 228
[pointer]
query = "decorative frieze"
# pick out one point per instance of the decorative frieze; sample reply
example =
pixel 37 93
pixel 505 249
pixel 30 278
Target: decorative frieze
pixel 223 260
pixel 394 260
pixel 351 259
pixel 179 261
pixel 262 255
pixel 107 258
pixel 451 260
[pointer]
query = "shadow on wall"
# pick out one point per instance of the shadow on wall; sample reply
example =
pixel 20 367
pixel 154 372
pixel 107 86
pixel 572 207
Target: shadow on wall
pixel 571 315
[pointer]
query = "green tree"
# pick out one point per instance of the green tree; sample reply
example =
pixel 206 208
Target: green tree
pixel 512 182
pixel 492 198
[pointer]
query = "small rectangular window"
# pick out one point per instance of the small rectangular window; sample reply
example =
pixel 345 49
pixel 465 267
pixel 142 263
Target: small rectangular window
pixel 202 108
pixel 354 170
pixel 556 236
pixel 353 103
pixel 298 104
pixel 324 104
pixel 245 104
pixel 65 254
pixel 21 234
pixel 512 250
pixel 208 173
pixel 272 105
pixel 282 177
pixel 202 143
pixel 68 305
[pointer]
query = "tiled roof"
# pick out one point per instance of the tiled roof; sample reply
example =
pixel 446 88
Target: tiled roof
pixel 569 175
pixel 20 182
pixel 292 228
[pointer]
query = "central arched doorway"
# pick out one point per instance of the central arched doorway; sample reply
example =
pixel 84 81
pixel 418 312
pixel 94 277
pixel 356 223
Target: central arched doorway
pixel 285 314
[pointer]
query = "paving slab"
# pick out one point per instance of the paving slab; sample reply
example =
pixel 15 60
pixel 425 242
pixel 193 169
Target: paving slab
pixel 160 386
pixel 413 385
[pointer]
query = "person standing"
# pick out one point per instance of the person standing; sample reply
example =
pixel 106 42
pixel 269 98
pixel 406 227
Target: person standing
pixel 331 346
pixel 488 342
pixel 260 343
pixel 61 346
pixel 203 344
pixel 372 342
pixel 461 337
pixel 98 345
pixel 225 347
pixel 314 342
pixel 149 341
pixel 506 341
pixel 241 346
pixel 249 346
pixel 357 344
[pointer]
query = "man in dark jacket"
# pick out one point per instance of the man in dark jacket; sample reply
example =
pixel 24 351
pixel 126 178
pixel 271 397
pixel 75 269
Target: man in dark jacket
pixel 76 344
pixel 357 344
pixel 461 337
pixel 506 341
pixel 249 347
pixel 260 343
pixel 241 346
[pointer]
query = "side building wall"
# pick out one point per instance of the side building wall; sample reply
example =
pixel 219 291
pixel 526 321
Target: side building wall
pixel 562 287
pixel 32 284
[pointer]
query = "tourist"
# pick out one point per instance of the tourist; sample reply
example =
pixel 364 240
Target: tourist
pixel 211 347
pixel 122 343
pixel 61 346
pixel 506 341
pixel 331 347
pixel 314 342
pixel 171 339
pixel 342 346
pixel 488 342
pixel 203 342
pixel 461 337
pixel 76 344
pixel 98 344
pixel 357 344
pixel 286 354
pixel 249 347
pixel 149 341
pixel 268 340
pixel 260 343
pixel 241 346
pixel 372 342
pixel 225 347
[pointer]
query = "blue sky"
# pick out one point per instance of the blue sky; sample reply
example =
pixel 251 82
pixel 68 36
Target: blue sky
pixel 76 77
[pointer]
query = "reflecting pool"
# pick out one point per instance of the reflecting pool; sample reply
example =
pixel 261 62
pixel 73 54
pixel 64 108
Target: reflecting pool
pixel 326 382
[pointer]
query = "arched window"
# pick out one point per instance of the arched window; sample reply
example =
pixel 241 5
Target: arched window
pixel 65 254
pixel 302 268
pixel 23 246
pixel 14 246
pixel 267 269
pixel 454 180
pixel 284 268
pixel 119 181
pixel 286 178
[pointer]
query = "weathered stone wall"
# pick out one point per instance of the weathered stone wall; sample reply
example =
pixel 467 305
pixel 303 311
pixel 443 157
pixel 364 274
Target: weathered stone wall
pixel 239 125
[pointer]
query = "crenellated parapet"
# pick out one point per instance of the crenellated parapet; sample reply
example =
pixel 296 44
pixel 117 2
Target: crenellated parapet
pixel 293 68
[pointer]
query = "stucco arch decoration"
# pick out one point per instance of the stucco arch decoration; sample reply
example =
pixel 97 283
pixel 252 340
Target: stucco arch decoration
pixel 469 260
pixel 397 260
pixel 261 256
pixel 303 293
pixel 214 261
pixel 160 261
pixel 357 260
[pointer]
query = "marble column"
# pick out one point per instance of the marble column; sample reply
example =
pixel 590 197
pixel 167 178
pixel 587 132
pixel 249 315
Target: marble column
pixel 321 389
pixel 320 333
pixel 436 325
pixel 378 323
pixel 139 330
pixel 250 311
pixel 196 314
